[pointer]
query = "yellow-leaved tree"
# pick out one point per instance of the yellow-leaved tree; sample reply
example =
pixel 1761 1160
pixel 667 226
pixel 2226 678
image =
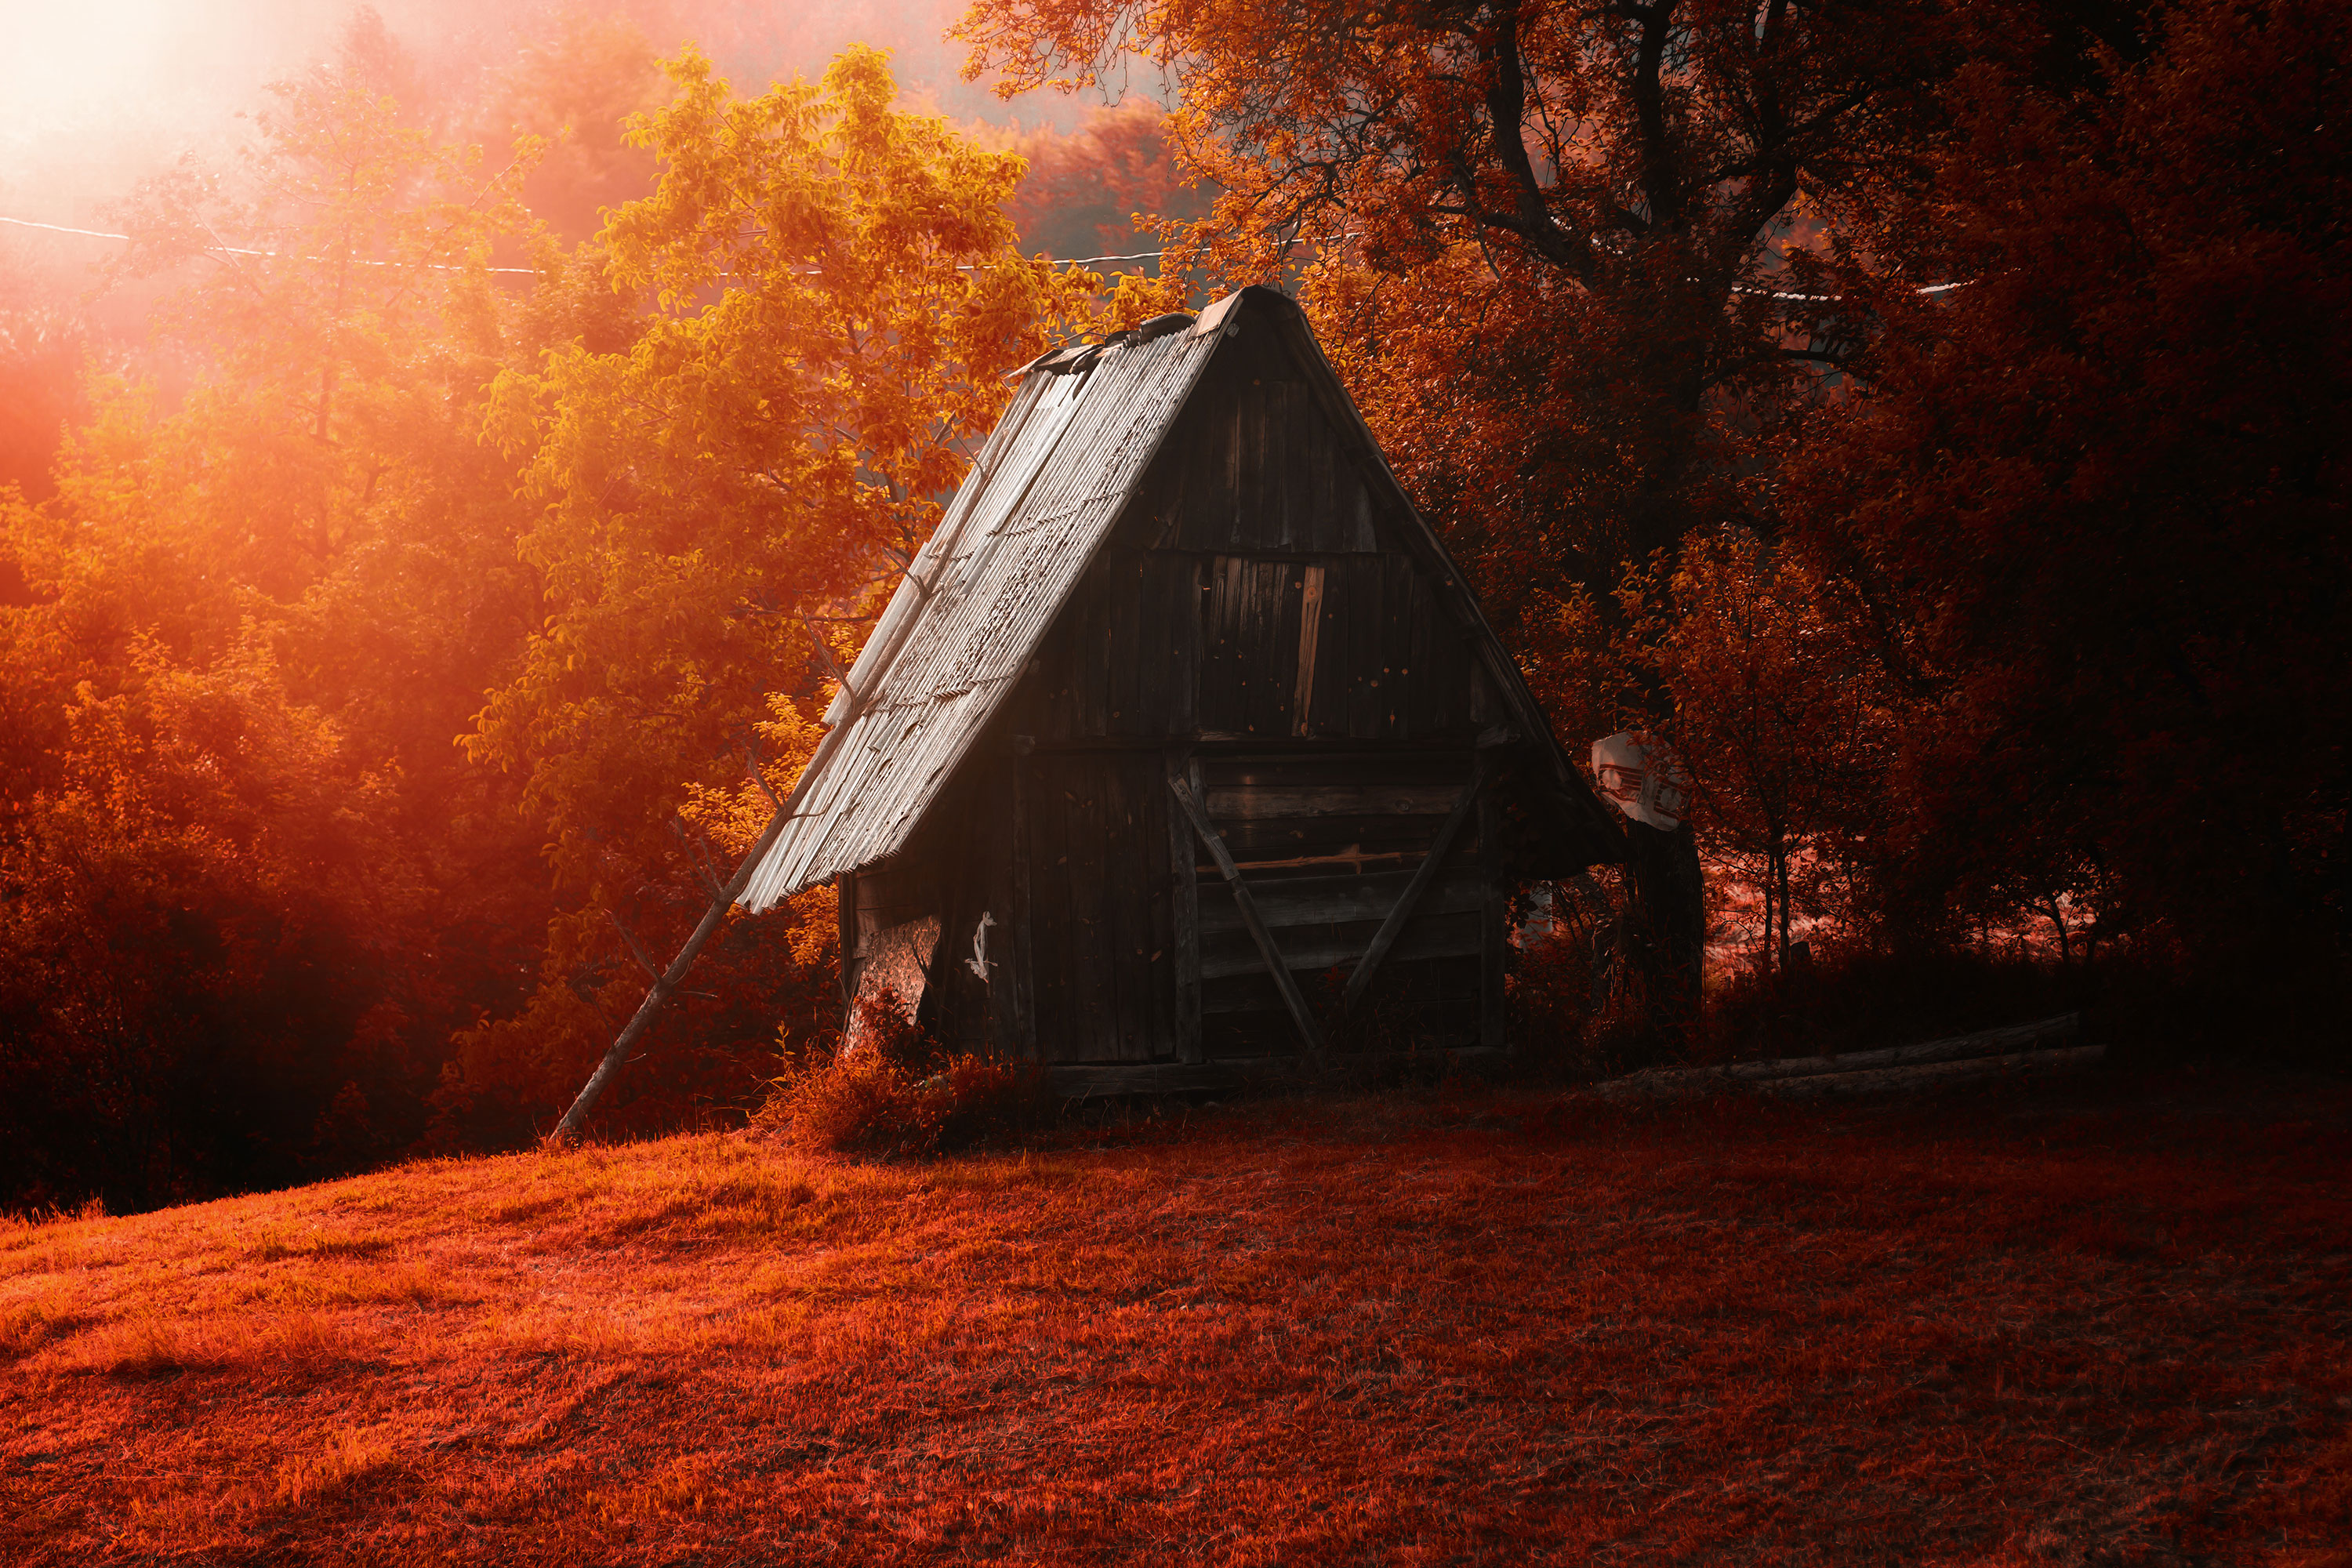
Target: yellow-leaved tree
pixel 834 296
pixel 252 886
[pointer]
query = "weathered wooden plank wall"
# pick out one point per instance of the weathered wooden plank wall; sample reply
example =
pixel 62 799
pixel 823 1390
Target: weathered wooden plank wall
pixel 1328 842
pixel 1266 621
pixel 1101 921
pixel 1253 610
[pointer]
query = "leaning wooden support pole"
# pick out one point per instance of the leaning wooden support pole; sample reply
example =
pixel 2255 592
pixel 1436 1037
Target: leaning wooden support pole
pixel 568 1129
pixel 1300 1014
pixel 1393 927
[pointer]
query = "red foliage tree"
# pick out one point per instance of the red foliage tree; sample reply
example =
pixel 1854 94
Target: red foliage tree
pixel 1543 241
pixel 211 930
pixel 1783 720
pixel 247 870
pixel 2091 512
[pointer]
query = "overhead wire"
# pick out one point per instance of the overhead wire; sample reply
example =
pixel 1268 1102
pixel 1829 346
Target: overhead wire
pixel 523 271
pixel 1749 290
pixel 240 251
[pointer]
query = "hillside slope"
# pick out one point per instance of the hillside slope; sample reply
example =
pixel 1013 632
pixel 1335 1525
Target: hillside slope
pixel 2104 1329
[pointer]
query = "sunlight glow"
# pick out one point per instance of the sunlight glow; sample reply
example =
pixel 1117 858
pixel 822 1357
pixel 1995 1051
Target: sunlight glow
pixel 65 66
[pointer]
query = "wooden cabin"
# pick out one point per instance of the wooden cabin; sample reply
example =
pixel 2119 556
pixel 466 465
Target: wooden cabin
pixel 1184 738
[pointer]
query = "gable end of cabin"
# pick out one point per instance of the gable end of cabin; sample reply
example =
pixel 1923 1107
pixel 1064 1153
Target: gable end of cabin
pixel 1263 709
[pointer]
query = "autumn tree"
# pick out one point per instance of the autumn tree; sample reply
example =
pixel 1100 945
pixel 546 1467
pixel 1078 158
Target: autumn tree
pixel 240 844
pixel 1085 191
pixel 208 935
pixel 326 475
pixel 834 294
pixel 574 86
pixel 1783 719
pixel 42 347
pixel 2091 512
pixel 1544 240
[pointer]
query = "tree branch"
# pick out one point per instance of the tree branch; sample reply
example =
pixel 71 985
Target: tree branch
pixel 636 951
pixel 1506 103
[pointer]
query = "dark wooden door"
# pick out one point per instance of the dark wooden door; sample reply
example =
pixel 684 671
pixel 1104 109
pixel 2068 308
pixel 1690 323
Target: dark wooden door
pixel 1102 951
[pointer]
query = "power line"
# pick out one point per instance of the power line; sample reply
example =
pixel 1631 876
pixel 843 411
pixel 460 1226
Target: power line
pixel 60 228
pixel 523 271
pixel 1088 260
pixel 1753 292
pixel 240 250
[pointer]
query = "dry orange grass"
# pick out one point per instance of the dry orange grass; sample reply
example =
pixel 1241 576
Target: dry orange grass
pixel 2096 1329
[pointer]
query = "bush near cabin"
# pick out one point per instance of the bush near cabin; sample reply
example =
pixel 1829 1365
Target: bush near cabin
pixel 888 1086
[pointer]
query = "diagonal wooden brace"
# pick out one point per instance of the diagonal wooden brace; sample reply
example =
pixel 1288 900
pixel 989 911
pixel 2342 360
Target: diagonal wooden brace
pixel 1300 1015
pixel 1393 927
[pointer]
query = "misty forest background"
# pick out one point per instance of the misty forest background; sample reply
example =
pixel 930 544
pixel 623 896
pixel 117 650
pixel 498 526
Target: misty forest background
pixel 413 535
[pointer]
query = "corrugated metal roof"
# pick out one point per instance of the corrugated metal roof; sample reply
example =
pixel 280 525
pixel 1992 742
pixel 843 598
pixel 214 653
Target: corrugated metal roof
pixel 1049 486
pixel 1019 534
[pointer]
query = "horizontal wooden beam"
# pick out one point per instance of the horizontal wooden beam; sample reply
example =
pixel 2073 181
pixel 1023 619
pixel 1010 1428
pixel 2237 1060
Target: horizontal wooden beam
pixel 2040 1035
pixel 1879 1080
pixel 1310 950
pixel 1312 901
pixel 1079 1081
pixel 1252 803
pixel 1221 743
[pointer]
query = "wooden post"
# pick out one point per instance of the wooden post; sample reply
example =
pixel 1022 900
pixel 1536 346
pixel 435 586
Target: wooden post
pixel 844 903
pixel 1184 905
pixel 1493 932
pixel 1664 935
pixel 1024 987
pixel 568 1129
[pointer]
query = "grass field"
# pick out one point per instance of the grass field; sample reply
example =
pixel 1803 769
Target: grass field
pixel 2104 1322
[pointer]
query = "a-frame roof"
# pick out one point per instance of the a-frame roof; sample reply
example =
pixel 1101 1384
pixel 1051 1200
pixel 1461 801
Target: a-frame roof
pixel 1047 489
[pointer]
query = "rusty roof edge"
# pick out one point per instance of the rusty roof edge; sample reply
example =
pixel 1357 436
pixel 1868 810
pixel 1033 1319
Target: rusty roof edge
pixel 907 599
pixel 1506 669
pixel 850 703
pixel 955 760
pixel 826 745
pixel 995 699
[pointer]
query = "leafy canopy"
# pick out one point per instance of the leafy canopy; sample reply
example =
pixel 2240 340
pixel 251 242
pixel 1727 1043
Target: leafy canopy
pixel 834 299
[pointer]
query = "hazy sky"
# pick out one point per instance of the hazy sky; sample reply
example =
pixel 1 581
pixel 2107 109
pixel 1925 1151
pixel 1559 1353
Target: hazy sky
pixel 96 93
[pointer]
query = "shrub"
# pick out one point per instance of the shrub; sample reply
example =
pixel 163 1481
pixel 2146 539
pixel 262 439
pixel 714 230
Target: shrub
pixel 1550 1001
pixel 890 1088
pixel 1385 1022
pixel 856 1103
pixel 987 1100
